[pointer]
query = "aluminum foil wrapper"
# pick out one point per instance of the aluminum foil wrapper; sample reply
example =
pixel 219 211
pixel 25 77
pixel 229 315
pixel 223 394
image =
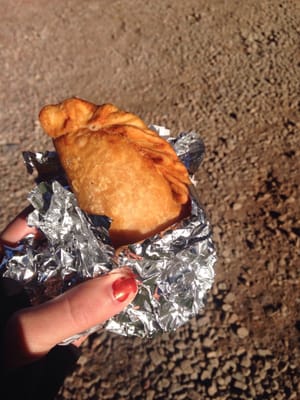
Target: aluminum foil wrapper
pixel 175 270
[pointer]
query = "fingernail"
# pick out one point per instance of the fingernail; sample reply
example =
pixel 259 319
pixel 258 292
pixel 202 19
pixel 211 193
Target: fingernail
pixel 123 288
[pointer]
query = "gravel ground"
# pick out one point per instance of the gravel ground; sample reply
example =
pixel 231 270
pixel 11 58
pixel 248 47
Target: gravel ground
pixel 230 70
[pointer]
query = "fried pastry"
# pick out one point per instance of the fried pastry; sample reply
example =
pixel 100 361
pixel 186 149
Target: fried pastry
pixel 118 167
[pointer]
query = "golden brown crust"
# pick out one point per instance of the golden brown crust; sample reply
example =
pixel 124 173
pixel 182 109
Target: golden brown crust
pixel 118 167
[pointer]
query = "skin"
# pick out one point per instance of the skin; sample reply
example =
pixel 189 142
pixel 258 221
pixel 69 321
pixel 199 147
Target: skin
pixel 32 332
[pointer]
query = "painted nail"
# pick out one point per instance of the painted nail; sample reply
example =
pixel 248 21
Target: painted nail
pixel 123 288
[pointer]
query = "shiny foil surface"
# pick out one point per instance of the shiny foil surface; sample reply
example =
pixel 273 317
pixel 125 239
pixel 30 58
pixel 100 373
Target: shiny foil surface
pixel 175 270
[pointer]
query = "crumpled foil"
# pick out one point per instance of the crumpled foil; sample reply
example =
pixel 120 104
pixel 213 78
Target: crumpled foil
pixel 175 270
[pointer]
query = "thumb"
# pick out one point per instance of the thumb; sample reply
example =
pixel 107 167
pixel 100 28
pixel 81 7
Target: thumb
pixel 32 332
pixel 18 228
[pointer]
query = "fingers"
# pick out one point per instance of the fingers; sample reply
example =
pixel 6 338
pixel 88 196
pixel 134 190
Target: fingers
pixel 32 332
pixel 17 229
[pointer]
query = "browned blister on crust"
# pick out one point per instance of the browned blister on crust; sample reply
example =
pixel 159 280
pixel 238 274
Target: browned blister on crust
pixel 118 167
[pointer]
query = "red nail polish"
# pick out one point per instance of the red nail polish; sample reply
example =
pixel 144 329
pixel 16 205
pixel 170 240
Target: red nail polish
pixel 123 287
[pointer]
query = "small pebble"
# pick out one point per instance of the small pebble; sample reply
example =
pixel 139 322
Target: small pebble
pixel 150 395
pixel 211 354
pixel 229 298
pixel 240 385
pixel 222 286
pixel 237 206
pixel 264 352
pixel 226 307
pixel 240 351
pixel 212 390
pixel 242 332
pixel 238 376
pixel 207 342
pixel 186 367
pixel 233 319
pixel 193 395
pixel 206 374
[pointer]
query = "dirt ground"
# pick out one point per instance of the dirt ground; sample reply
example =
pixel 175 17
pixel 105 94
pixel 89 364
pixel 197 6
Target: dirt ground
pixel 231 71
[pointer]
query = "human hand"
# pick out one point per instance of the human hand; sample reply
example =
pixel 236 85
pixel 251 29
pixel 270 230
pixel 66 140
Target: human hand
pixel 31 332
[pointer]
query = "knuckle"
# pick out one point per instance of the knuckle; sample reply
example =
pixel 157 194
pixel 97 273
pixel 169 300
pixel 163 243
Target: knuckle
pixel 78 317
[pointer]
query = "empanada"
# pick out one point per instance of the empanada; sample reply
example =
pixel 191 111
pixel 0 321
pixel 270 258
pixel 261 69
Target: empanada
pixel 118 167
